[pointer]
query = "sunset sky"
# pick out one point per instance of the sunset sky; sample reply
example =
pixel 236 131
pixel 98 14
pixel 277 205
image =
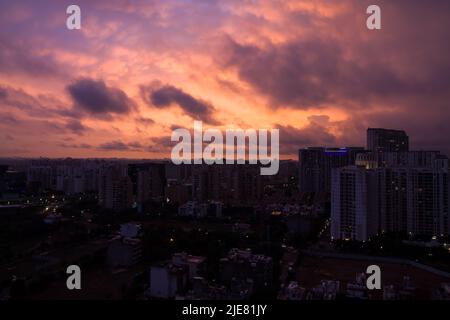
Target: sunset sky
pixel 138 69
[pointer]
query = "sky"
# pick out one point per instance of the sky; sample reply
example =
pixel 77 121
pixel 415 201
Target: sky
pixel 139 69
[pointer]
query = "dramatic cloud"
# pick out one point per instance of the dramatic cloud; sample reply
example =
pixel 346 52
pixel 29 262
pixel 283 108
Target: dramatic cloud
pixel 94 97
pixel 315 133
pixel 118 145
pixel 76 127
pixel 74 145
pixel 40 106
pixel 310 68
pixel 316 73
pixel 8 119
pixel 16 57
pixel 145 121
pixel 3 93
pixel 168 95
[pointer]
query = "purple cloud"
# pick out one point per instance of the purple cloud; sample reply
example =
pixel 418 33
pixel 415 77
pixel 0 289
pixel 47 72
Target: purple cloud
pixel 97 99
pixel 168 95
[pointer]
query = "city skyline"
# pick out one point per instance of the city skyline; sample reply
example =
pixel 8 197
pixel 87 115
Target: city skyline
pixel 199 231
pixel 138 69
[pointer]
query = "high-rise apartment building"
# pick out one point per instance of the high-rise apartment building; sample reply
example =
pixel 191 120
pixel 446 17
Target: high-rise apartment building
pixel 316 164
pixel 387 140
pixel 232 184
pixel 353 213
pixel 115 188
pixel 40 177
pixel 150 183
pixel 391 189
pixel 406 199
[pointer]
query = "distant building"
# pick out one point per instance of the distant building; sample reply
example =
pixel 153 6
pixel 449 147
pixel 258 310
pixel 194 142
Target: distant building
pixel 389 292
pixel 293 291
pixel 373 160
pixel 416 159
pixel 413 200
pixel 125 250
pixel 387 140
pixel 40 178
pixel 180 173
pixel 194 264
pixel 167 280
pixel 243 264
pixel 353 214
pixel 115 188
pixel 206 290
pixel 178 193
pixel 72 179
pixel 130 230
pixel 368 160
pixel 316 164
pixel 13 184
pixel 201 210
pixel 326 290
pixel 391 189
pixel 207 182
pixel 237 184
pixel 242 228
pixel 442 292
pixel 171 278
pixel 300 224
pixel 405 291
pixel 150 183
pixel 3 170
pixel 358 288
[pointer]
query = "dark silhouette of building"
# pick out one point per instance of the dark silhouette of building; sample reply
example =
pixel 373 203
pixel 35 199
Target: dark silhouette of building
pixel 150 183
pixel 387 140
pixel 243 265
pixel 315 165
pixel 115 188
